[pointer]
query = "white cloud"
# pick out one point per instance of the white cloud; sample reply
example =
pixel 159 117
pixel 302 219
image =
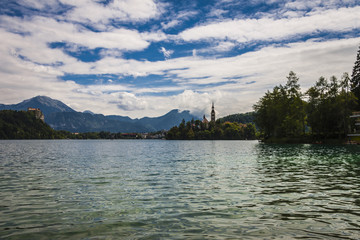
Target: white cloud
pixel 118 10
pixel 219 46
pixel 217 12
pixel 316 4
pixel 167 53
pixel 174 20
pixel 129 102
pixel 40 4
pixel 170 24
pixel 46 30
pixel 198 103
pixel 194 52
pixel 265 29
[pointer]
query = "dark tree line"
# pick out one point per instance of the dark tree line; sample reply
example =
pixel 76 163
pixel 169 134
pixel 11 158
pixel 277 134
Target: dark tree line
pixel 239 118
pixel 355 78
pixel 197 130
pixel 281 112
pixel 23 125
pixel 322 112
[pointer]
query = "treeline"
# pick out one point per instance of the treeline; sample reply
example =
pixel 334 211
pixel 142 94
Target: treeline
pixel 197 130
pixel 25 125
pixel 239 118
pixel 321 113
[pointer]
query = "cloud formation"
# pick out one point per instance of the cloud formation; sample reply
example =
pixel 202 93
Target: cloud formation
pixel 167 53
pixel 145 58
pixel 269 29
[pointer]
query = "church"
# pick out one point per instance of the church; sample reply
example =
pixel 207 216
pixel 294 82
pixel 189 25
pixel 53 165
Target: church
pixel 212 115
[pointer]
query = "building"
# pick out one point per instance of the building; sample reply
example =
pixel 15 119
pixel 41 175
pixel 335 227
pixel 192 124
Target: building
pixel 212 113
pixel 205 121
pixel 38 113
pixel 355 135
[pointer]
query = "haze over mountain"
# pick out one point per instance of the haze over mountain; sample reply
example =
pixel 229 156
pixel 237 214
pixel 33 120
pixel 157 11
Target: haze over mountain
pixel 61 117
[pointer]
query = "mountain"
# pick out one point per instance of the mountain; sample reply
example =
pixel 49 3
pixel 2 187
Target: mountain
pixel 86 122
pixel 47 105
pixel 167 121
pixel 120 118
pixel 61 117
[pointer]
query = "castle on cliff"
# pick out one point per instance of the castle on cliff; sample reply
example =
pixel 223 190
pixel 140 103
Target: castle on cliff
pixel 38 113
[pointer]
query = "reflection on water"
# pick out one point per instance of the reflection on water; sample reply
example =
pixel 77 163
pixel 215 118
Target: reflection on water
pixel 314 188
pixel 178 190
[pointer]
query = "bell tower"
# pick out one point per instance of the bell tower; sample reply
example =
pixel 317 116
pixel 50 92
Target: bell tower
pixel 212 113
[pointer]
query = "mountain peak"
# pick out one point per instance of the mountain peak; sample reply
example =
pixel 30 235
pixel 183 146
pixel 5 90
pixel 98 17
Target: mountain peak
pixel 62 117
pixel 46 104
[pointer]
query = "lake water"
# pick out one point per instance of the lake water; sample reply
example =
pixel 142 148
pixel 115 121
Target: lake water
pixel 135 189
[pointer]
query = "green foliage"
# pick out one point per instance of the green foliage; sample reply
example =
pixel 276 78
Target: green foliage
pixel 239 118
pixel 196 130
pixel 283 114
pixel 329 107
pixel 23 125
pixel 355 78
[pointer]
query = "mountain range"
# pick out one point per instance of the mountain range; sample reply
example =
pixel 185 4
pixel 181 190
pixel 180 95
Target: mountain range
pixel 61 117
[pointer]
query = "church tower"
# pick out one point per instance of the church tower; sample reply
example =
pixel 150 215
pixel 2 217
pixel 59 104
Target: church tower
pixel 212 113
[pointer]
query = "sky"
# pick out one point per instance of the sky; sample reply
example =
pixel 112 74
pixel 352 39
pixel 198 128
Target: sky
pixel 146 57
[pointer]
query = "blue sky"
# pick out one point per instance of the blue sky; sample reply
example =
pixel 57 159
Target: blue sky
pixel 146 57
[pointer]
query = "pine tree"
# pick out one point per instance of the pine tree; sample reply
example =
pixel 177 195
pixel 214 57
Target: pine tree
pixel 355 77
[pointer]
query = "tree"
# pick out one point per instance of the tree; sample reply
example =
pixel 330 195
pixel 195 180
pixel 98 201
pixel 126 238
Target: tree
pixel 250 131
pixel 355 78
pixel 281 113
pixel 347 101
pixel 294 122
pixel 215 131
pixel 190 134
pixel 328 107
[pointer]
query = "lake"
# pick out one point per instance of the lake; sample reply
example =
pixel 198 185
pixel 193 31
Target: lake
pixel 153 189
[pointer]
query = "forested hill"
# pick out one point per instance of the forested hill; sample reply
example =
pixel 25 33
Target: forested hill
pixel 23 125
pixel 243 118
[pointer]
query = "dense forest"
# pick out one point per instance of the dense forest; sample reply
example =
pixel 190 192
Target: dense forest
pixel 239 118
pixel 25 125
pixel 321 113
pixel 197 130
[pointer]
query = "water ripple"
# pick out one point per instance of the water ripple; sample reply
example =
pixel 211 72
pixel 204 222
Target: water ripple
pixel 178 190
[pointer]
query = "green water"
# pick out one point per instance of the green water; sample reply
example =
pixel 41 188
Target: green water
pixel 133 189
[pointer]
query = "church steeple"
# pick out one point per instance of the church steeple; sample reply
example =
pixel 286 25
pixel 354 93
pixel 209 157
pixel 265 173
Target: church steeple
pixel 212 113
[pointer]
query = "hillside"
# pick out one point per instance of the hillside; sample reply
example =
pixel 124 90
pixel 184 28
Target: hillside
pixel 23 125
pixel 86 122
pixel 239 118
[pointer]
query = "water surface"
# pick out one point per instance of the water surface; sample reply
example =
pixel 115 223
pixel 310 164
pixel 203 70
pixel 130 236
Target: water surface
pixel 133 189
